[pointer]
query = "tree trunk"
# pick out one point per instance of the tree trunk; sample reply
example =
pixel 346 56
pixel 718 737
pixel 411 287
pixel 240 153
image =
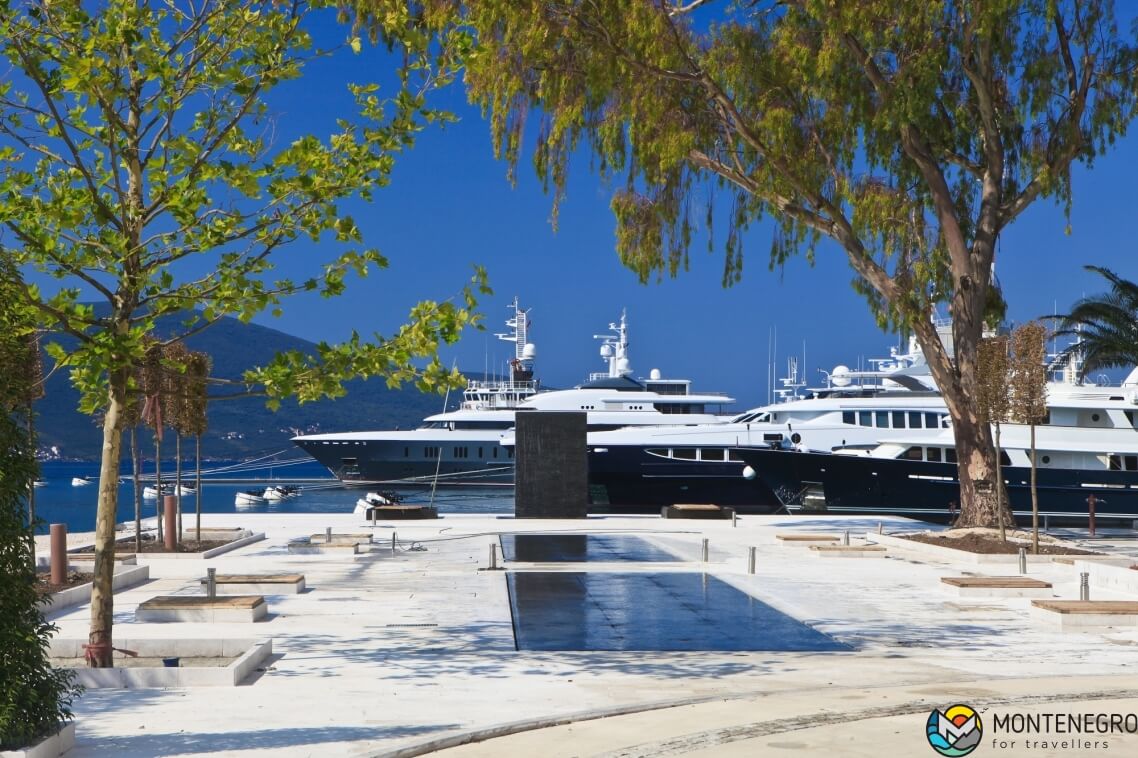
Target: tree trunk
pixel 976 457
pixel 198 485
pixel 99 651
pixel 32 488
pixel 1000 485
pixel 136 480
pixel 158 481
pixel 178 479
pixel 1034 499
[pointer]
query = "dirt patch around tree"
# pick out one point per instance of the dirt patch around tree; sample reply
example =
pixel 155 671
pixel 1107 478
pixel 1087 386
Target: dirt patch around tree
pixel 988 542
pixel 74 579
pixel 151 544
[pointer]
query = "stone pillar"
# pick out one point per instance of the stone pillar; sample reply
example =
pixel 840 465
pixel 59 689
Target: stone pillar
pixel 551 471
pixel 171 516
pixel 58 534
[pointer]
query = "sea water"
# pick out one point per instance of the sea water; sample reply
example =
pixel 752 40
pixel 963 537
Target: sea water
pixel 59 501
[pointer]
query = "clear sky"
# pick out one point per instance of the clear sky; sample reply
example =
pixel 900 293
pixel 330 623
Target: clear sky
pixel 450 205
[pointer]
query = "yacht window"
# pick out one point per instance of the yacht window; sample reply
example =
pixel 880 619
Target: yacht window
pixel 762 418
pixel 848 417
pixel 898 419
pixel 865 418
pixel 914 420
pixel 1115 463
pixel 774 417
pixel 495 452
pixel 932 421
pixel 934 454
pixel 712 453
pixel 510 452
pixel 733 458
pixel 950 455
pixel 684 453
pixel 913 454
pixel 1005 459
pixel 660 452
pixel 479 452
pixel 1131 462
pixel 406 452
pixel 1130 416
pixel 882 419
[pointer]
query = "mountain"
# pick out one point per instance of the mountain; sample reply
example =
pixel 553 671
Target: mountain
pixel 239 428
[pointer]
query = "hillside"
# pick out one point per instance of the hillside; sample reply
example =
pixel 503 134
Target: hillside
pixel 245 427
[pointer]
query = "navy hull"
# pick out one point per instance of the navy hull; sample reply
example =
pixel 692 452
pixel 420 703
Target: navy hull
pixel 628 478
pixel 824 482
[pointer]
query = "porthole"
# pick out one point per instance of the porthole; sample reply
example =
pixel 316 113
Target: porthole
pixel 1094 417
pixel 1046 459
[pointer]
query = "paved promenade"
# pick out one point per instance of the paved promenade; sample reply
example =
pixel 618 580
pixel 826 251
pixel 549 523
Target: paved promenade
pixel 411 651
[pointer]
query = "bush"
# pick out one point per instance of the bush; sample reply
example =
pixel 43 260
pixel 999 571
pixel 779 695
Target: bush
pixel 35 699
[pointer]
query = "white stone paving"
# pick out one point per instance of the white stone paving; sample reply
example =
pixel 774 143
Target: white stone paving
pixel 387 651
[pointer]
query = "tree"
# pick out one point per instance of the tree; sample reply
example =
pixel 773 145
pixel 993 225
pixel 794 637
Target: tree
pixel 1029 397
pixel 909 132
pixel 35 699
pixel 137 166
pixel 1106 325
pixel 993 402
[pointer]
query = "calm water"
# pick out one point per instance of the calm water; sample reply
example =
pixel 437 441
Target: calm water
pixel 61 502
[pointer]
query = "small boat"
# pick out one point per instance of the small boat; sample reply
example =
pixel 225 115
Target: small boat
pixel 81 481
pixel 151 493
pixel 281 492
pixel 374 500
pixel 39 483
pixel 249 497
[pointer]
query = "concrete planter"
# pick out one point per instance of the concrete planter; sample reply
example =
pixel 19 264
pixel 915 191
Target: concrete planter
pixel 952 554
pixel 251 654
pixel 1113 578
pixel 49 747
pixel 125 578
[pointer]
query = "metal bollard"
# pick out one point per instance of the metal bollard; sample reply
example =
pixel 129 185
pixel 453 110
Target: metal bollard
pixel 751 560
pixel 703 551
pixel 211 582
pixel 1023 560
pixel 328 535
pixel 1084 586
pixel 58 554
pixel 846 537
pixel 1046 523
pixel 393 542
pixel 493 556
pixel 733 524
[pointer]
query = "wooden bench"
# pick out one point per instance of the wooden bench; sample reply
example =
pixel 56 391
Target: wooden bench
pixel 1086 615
pixel 997 586
pixel 341 538
pixel 806 538
pixel 400 512
pixel 305 547
pixel 200 608
pixel 696 510
pixel 258 584
pixel 848 551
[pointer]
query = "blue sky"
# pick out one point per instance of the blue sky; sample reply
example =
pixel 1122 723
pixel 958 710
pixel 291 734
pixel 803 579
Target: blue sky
pixel 450 206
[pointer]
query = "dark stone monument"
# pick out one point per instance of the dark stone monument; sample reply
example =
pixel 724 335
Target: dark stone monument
pixel 551 474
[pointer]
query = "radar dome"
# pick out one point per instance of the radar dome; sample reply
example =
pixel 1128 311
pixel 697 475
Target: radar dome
pixel 654 374
pixel 529 352
pixel 840 376
pixel 606 351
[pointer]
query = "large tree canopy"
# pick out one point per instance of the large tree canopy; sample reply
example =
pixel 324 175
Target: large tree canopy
pixel 910 132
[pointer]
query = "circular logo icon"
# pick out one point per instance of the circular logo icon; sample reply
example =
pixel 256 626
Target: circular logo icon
pixel 954 731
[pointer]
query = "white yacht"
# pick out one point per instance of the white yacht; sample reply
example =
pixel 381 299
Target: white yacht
pixel 1090 428
pixel 465 446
